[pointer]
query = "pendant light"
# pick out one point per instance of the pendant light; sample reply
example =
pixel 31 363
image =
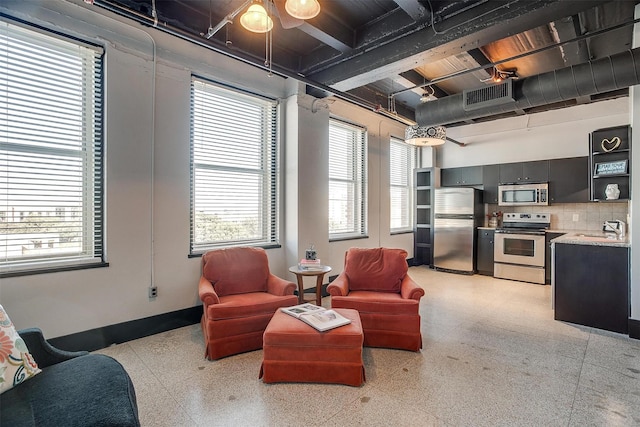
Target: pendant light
pixel 256 19
pixel 424 136
pixel 302 9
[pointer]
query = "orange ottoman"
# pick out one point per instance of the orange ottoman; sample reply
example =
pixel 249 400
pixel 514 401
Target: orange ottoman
pixel 296 352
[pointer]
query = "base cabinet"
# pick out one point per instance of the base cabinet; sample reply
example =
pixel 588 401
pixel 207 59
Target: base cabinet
pixel 591 286
pixel 549 236
pixel 484 254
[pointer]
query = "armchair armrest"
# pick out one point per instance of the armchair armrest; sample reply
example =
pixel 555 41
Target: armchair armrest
pixel 206 292
pixel 278 286
pixel 409 289
pixel 339 287
pixel 44 353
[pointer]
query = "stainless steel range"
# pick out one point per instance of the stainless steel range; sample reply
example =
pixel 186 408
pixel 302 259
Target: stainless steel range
pixel 519 247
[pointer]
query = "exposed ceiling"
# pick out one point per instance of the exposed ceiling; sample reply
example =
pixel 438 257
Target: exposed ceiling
pixel 385 54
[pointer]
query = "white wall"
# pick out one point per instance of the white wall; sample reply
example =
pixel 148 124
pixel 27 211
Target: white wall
pixel 549 135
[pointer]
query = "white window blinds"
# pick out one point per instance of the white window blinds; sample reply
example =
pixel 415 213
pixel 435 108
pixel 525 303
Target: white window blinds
pixel 402 161
pixel 51 177
pixel 234 168
pixel 347 180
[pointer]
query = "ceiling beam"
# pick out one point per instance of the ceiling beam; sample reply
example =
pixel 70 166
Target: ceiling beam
pixel 374 97
pixel 413 8
pixel 479 56
pixel 455 35
pixel 330 31
pixel 567 29
pixel 392 25
pixel 418 80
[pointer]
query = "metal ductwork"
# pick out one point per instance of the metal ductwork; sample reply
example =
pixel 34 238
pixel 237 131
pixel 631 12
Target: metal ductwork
pixel 614 72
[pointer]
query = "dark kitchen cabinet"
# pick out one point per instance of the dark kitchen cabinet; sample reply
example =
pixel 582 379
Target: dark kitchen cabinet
pixel 610 161
pixel 524 172
pixel 549 236
pixel 569 180
pixel 484 256
pixel 455 177
pixel 423 231
pixel 490 181
pixel 591 286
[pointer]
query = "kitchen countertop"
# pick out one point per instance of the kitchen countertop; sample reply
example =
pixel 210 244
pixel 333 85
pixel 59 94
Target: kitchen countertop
pixel 593 238
pixel 584 237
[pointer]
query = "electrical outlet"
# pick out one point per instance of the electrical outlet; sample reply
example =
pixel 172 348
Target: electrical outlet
pixel 153 291
pixel 576 217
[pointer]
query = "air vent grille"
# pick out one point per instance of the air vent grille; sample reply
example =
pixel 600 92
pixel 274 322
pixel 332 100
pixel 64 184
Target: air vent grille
pixel 489 96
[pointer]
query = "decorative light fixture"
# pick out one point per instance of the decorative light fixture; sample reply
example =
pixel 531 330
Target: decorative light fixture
pixel 302 9
pixel 256 19
pixel 424 136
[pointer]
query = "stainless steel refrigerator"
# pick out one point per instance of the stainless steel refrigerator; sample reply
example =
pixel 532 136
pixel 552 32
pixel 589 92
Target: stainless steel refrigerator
pixel 457 214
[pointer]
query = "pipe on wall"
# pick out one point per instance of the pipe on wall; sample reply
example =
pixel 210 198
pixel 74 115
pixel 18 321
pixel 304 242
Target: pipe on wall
pixel 613 72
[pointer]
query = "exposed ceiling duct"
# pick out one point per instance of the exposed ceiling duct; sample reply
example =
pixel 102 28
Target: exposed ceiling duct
pixel 606 74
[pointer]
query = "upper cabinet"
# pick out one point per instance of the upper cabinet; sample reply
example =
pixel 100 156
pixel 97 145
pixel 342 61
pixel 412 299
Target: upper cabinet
pixel 490 181
pixel 569 180
pixel 609 163
pixel 455 177
pixel 524 172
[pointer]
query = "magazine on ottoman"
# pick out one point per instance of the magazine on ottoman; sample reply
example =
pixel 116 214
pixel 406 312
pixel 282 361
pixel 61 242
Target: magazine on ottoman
pixel 318 317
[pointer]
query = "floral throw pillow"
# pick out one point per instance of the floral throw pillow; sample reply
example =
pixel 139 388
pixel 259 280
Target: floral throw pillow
pixel 16 363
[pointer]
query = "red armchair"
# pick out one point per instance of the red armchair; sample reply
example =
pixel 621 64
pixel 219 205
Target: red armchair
pixel 375 282
pixel 239 296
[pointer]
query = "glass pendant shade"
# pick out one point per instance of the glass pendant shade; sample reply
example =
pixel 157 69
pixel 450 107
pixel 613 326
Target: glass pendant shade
pixel 256 19
pixel 302 9
pixel 423 136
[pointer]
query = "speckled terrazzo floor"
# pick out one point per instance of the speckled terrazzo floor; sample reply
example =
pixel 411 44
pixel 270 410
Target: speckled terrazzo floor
pixel 492 356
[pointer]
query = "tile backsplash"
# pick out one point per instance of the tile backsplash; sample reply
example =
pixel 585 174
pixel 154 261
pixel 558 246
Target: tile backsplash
pixel 590 216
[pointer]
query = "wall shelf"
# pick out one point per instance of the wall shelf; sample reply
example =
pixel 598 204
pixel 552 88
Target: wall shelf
pixel 610 146
pixel 426 180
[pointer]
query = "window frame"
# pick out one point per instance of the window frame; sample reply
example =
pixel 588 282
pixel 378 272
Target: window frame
pixel 21 149
pixel 356 178
pixel 409 160
pixel 268 172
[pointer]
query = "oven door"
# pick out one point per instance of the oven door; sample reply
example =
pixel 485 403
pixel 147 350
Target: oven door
pixel 522 249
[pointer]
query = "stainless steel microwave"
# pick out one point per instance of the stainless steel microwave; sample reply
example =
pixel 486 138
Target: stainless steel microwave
pixel 523 195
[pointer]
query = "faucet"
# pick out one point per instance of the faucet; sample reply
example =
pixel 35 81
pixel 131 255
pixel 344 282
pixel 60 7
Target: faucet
pixel 618 227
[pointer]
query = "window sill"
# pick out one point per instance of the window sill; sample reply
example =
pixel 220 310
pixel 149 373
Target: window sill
pixel 47 270
pixel 341 239
pixel 263 246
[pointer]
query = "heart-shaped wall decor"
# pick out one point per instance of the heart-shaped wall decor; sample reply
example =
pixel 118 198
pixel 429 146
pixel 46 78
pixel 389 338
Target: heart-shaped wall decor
pixel 610 145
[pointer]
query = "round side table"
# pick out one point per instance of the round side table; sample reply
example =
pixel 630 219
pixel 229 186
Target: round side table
pixel 319 273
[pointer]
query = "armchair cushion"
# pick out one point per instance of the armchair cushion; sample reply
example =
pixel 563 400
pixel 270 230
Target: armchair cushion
pixel 377 270
pixel 378 302
pixel 236 270
pixel 16 363
pixel 244 305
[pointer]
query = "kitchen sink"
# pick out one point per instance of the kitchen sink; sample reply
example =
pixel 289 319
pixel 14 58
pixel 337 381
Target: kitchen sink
pixel 598 237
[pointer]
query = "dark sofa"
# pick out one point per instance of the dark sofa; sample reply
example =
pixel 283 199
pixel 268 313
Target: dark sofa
pixel 73 389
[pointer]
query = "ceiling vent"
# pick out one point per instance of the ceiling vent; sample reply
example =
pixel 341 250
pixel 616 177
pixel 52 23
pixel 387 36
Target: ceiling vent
pixel 489 96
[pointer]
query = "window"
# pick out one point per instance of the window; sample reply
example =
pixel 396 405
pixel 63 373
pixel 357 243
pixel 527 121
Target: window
pixel 234 168
pixel 50 151
pixel 347 181
pixel 402 161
